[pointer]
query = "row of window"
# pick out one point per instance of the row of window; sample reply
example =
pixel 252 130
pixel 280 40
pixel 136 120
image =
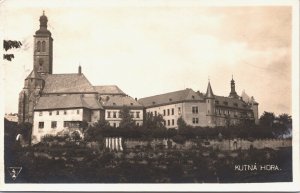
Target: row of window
pixel 117 125
pixel 65 112
pixel 172 122
pixel 115 114
pixel 72 124
pixel 169 122
pixel 229 112
pixel 53 125
pixel 41 46
pixel 168 112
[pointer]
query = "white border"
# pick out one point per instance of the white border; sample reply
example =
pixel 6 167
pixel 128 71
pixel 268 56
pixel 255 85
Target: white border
pixel 292 186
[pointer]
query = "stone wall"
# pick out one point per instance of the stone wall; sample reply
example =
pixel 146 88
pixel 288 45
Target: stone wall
pixel 223 145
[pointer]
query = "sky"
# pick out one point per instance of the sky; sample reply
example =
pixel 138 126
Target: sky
pixel 153 47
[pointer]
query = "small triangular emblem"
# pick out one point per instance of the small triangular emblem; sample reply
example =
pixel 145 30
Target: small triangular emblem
pixel 14 172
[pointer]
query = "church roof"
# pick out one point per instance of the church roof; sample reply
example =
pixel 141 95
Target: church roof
pixel 67 83
pixel 109 90
pixel 171 97
pixel 231 102
pixel 66 102
pixel 117 101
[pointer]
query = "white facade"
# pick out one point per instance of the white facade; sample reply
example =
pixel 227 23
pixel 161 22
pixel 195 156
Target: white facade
pixel 114 119
pixel 50 122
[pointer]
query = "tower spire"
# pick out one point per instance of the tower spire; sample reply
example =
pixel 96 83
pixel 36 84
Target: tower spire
pixel 209 92
pixel 233 93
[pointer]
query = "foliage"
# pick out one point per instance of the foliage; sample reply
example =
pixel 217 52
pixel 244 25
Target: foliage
pixel 153 121
pixel 267 119
pixel 25 129
pixel 96 131
pixel 181 123
pixel 10 44
pixel 127 121
pixel 179 139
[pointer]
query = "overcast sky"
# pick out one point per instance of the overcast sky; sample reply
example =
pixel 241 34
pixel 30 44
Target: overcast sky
pixel 153 47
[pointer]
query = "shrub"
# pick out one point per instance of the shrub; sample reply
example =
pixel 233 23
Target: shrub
pixel 179 139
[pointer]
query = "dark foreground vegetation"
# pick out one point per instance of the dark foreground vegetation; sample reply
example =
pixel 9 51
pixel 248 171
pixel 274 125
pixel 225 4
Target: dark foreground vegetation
pixel 70 159
pixel 75 162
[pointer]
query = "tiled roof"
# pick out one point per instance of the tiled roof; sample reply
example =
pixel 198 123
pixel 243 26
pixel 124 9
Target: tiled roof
pixel 65 102
pixel 172 97
pixel 231 102
pixel 109 89
pixel 67 83
pixel 119 101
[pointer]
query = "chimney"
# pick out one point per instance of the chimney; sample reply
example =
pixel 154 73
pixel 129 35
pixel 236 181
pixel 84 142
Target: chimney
pixel 79 69
pixel 135 99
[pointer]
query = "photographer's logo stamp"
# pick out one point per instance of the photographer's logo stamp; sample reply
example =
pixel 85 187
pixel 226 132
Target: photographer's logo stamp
pixel 14 172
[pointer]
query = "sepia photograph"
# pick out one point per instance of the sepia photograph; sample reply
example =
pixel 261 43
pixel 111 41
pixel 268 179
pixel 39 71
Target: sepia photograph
pixel 150 95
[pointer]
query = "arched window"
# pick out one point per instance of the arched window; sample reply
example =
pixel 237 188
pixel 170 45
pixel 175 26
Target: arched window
pixel 38 46
pixel 43 46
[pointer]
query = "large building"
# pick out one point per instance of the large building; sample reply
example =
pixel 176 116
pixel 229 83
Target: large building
pixel 199 109
pixel 60 102
pixel 56 102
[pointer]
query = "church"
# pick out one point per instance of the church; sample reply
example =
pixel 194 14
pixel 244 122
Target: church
pixel 54 103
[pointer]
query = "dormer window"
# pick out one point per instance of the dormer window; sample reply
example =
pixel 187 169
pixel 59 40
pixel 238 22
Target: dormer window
pixel 170 99
pixel 217 102
pixel 235 104
pixel 131 104
pixel 114 104
pixel 193 97
pixel 153 103
pixel 225 103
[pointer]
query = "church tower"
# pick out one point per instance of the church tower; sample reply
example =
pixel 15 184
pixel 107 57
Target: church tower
pixel 43 48
pixel 233 93
pixel 210 106
pixel 42 64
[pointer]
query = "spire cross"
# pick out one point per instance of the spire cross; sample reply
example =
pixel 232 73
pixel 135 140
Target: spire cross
pixel 43 12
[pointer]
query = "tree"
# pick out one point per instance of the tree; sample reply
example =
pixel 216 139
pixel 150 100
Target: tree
pixel 25 129
pixel 127 121
pixel 283 124
pixel 153 121
pixel 10 44
pixel 95 132
pixel 267 119
pixel 285 119
pixel 181 123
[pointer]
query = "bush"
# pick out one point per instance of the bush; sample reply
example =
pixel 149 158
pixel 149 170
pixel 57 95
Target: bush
pixel 179 139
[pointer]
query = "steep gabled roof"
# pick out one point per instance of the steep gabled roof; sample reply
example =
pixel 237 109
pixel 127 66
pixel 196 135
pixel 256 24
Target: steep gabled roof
pixel 67 102
pixel 120 101
pixel 67 83
pixel 109 90
pixel 171 97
